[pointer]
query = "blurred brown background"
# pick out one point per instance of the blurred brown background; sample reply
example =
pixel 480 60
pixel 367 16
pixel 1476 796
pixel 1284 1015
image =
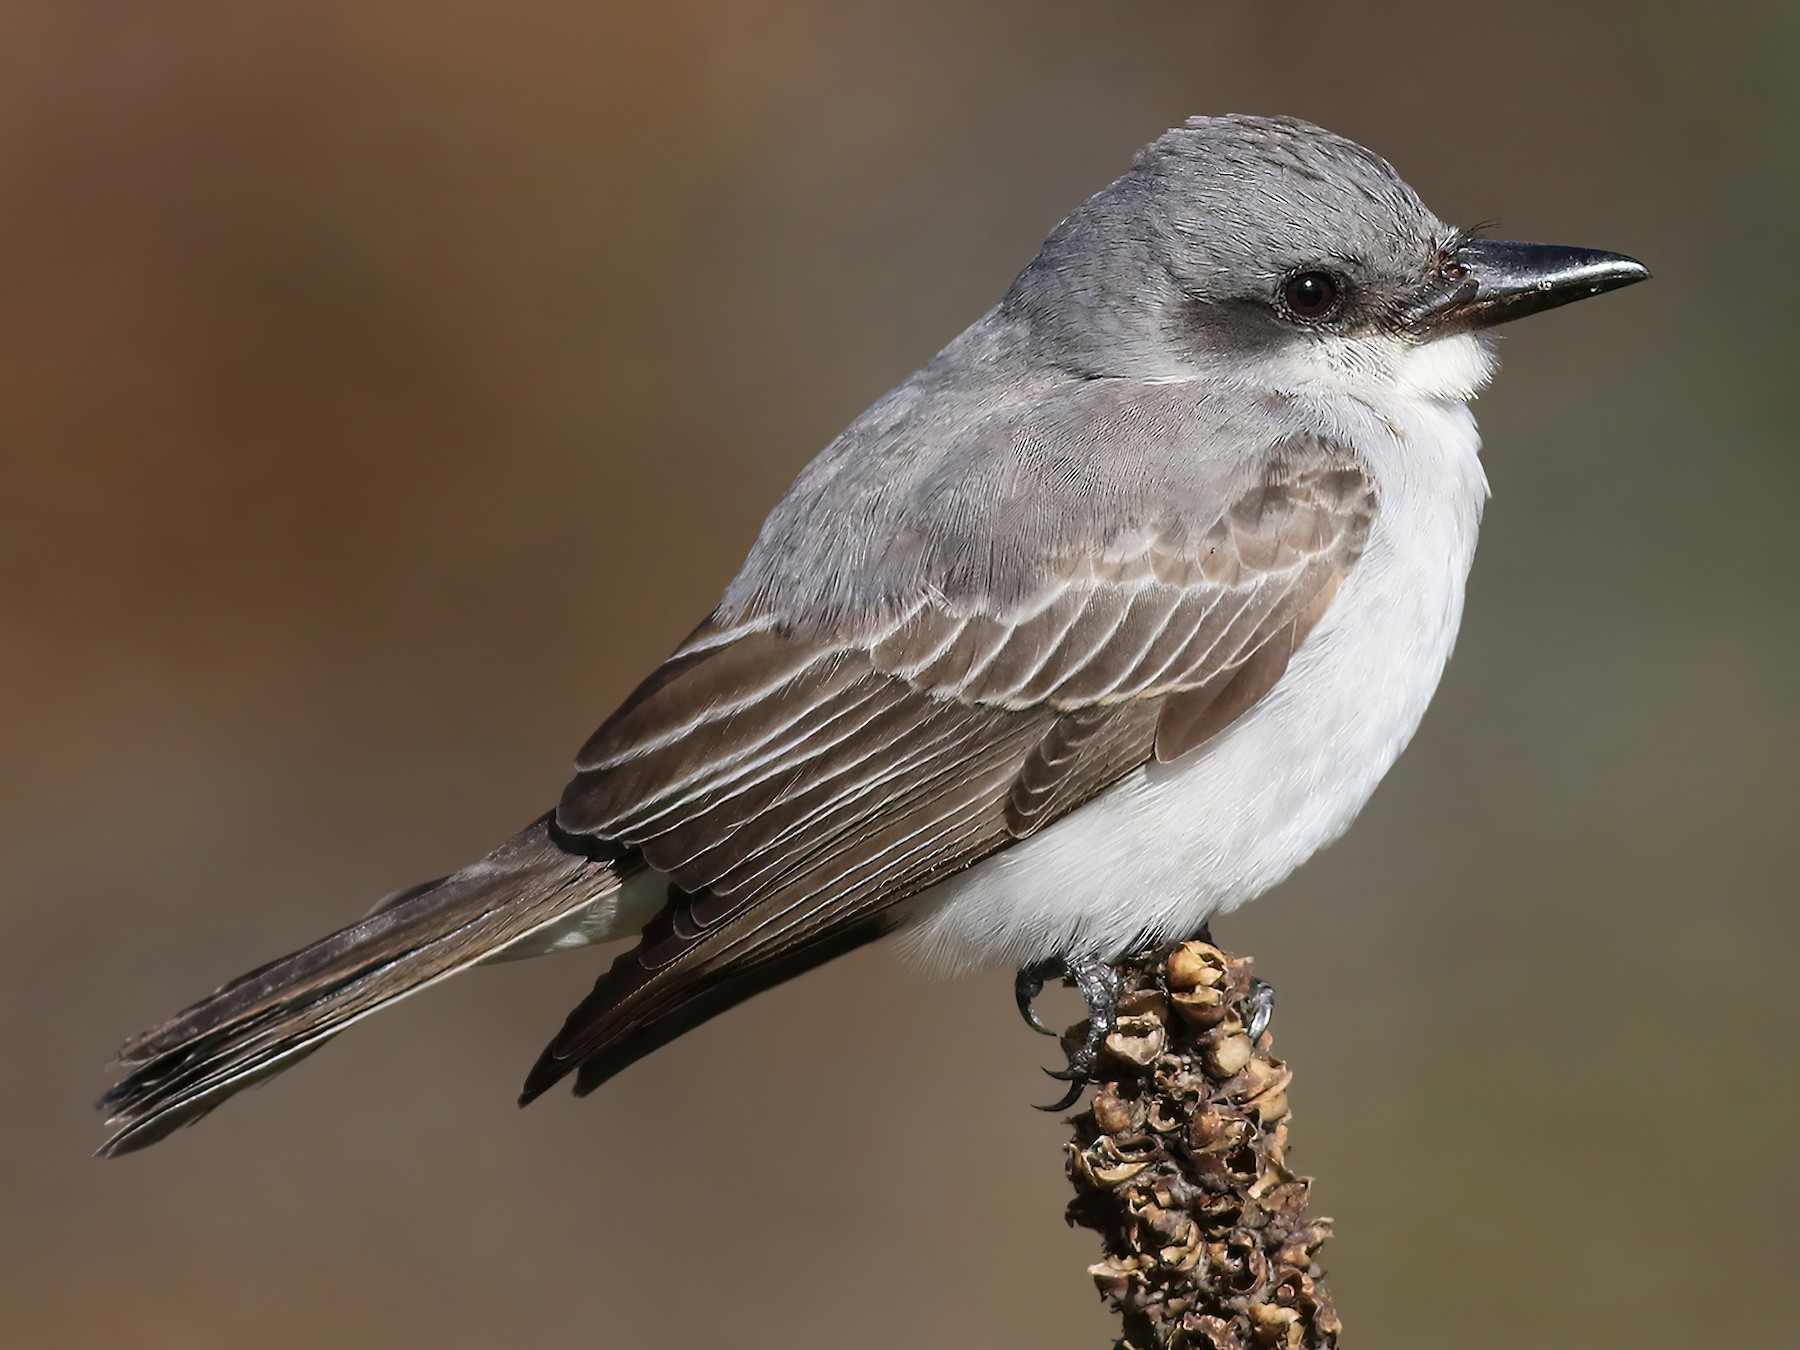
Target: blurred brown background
pixel 385 386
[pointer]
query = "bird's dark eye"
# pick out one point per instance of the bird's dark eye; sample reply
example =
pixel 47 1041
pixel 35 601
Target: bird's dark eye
pixel 1312 295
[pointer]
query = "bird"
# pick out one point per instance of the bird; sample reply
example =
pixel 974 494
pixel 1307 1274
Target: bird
pixel 1092 629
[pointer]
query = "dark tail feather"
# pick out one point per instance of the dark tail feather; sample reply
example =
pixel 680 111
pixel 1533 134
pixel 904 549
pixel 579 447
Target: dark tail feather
pixel 272 1017
pixel 629 1013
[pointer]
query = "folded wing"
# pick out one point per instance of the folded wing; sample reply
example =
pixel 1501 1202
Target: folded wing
pixel 797 784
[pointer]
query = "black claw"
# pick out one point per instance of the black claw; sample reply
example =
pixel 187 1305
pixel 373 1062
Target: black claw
pixel 1029 983
pixel 1261 1005
pixel 1069 1098
pixel 1099 987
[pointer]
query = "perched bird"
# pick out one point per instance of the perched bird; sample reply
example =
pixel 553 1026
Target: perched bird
pixel 1098 625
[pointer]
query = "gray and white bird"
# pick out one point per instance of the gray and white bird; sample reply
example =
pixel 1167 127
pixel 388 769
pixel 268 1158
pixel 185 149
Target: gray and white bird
pixel 1098 625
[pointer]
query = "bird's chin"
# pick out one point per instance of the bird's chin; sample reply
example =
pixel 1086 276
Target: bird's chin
pixel 1454 366
pixel 1450 367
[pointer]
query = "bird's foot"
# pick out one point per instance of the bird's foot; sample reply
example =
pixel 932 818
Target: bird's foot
pixel 1098 983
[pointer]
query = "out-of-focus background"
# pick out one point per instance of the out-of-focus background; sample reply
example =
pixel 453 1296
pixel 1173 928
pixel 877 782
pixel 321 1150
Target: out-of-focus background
pixel 384 387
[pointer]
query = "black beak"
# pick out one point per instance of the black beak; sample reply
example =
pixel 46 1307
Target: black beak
pixel 1488 281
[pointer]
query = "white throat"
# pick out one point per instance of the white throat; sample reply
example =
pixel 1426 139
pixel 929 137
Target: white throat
pixel 1375 367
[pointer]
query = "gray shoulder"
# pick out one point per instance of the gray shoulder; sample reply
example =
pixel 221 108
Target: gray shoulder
pixel 963 488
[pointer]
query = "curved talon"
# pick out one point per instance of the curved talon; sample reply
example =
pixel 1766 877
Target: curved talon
pixel 1069 1098
pixel 1029 983
pixel 1260 1002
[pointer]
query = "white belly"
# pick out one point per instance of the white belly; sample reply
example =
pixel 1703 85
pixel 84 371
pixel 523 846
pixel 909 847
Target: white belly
pixel 1172 844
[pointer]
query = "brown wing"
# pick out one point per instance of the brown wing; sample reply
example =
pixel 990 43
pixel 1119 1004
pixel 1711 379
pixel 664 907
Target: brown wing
pixel 796 786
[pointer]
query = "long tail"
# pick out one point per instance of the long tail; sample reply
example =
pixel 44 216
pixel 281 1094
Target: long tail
pixel 266 1020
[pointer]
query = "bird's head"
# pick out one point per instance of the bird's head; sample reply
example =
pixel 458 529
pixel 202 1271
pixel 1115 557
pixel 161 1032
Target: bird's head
pixel 1270 251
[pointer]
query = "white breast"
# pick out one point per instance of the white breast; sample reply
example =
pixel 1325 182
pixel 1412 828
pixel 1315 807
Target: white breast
pixel 1171 844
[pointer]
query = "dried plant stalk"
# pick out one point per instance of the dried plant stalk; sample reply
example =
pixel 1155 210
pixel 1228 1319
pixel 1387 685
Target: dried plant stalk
pixel 1179 1164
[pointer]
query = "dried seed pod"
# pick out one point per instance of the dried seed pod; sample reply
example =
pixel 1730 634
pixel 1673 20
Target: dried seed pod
pixel 1107 1162
pixel 1271 1106
pixel 1203 1006
pixel 1137 1040
pixel 1277 1326
pixel 1255 1078
pixel 1205 1333
pixel 1180 1166
pixel 1195 965
pixel 1229 1054
pixel 1111 1112
pixel 1163 1116
pixel 1152 1003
